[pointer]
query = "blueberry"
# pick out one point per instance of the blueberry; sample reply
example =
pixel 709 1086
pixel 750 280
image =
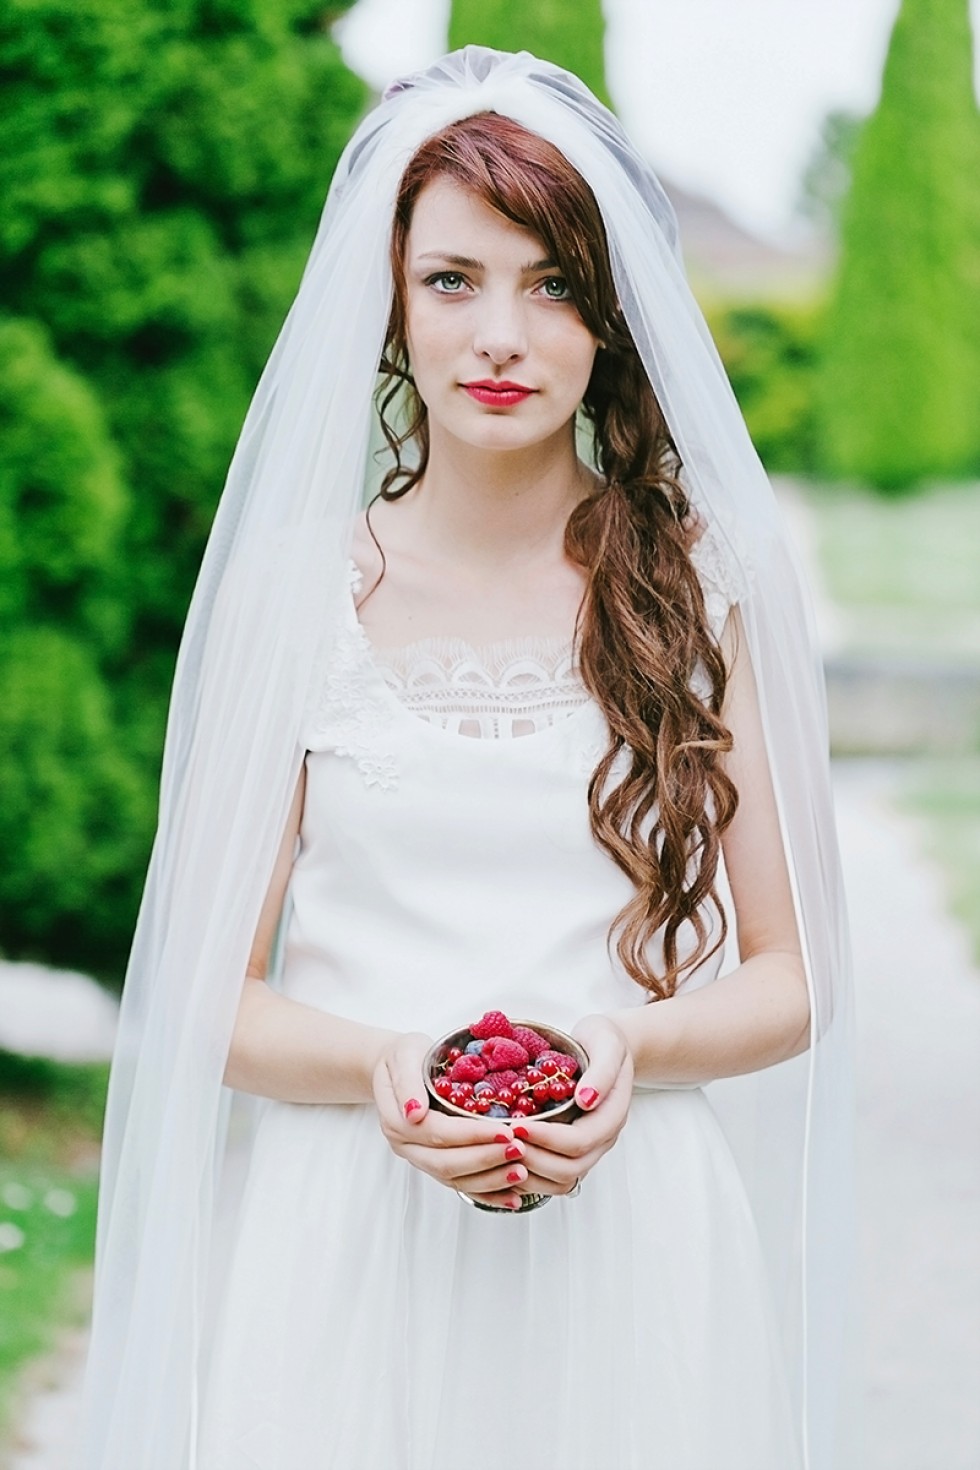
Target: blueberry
pixel 474 1048
pixel 483 1087
pixel 498 1111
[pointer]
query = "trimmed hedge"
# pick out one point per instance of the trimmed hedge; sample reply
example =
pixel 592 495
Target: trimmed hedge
pixel 899 382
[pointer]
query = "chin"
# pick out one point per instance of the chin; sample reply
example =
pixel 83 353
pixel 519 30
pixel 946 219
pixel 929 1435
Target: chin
pixel 501 430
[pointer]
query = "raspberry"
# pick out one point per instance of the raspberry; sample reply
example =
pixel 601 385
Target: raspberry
pixel 492 1024
pixel 532 1043
pixel 467 1069
pixel 505 1078
pixel 500 1054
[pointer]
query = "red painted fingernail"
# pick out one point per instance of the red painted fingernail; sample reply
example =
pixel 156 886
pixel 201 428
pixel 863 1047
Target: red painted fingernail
pixel 588 1097
pixel 513 1152
pixel 502 1137
pixel 411 1106
pixel 521 1132
pixel 513 1177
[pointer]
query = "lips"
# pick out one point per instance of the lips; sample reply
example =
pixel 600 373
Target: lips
pixel 498 395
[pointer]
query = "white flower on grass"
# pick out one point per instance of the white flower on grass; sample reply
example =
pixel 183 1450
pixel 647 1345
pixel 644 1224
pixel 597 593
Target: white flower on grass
pixel 17 1196
pixel 60 1202
pixel 11 1236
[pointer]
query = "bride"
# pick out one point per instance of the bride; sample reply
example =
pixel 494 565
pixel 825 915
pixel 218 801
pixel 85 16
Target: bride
pixel 556 739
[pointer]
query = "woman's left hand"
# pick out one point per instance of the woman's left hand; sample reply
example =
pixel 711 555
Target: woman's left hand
pixel 557 1155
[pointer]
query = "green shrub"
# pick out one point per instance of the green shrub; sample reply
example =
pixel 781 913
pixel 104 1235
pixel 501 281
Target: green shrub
pixel 769 355
pixel 163 171
pixel 75 814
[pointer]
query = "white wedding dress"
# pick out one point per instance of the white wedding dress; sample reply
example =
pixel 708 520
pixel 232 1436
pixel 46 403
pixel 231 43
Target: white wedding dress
pixel 372 1320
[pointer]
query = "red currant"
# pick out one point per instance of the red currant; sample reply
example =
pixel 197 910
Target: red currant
pixel 442 1087
pixel 453 1054
pixel 549 1067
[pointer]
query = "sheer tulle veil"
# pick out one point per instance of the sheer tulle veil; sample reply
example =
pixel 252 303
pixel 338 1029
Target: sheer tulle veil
pixel 259 635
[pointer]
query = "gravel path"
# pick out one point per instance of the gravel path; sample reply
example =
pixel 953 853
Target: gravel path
pixel 918 1012
pixel 919 1123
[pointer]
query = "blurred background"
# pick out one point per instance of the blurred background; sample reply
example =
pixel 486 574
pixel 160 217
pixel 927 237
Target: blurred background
pixel 163 169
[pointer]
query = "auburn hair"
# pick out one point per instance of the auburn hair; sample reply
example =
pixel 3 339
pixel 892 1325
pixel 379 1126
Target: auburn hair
pixel 642 634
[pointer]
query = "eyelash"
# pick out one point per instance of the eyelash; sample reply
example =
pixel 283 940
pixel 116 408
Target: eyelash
pixel 455 275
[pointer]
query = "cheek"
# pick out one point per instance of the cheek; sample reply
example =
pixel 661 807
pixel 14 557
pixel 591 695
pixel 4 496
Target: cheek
pixel 428 334
pixel 577 349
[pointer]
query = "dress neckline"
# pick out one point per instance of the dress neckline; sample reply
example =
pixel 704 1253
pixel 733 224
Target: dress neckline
pixel 374 664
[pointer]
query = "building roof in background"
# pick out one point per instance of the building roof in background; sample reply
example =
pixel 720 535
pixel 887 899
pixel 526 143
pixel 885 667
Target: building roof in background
pixel 728 261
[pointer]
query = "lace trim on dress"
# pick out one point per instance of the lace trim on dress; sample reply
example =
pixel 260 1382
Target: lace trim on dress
pixel 347 714
pixel 509 688
pixel 506 689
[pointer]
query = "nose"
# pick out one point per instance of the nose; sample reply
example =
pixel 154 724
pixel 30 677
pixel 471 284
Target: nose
pixel 500 332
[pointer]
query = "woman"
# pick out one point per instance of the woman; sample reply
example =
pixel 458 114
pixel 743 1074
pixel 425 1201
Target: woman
pixel 553 846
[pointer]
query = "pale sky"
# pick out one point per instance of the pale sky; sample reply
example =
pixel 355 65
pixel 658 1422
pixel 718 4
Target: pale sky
pixel 724 96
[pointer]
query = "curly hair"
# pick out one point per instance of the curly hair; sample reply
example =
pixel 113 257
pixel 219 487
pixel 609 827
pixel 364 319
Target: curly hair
pixel 642 634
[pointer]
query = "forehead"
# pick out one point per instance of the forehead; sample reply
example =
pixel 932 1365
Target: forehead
pixel 448 217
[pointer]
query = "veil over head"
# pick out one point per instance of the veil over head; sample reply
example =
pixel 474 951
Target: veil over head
pixel 258 638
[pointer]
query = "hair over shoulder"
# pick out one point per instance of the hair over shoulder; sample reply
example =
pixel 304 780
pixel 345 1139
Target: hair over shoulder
pixel 643 633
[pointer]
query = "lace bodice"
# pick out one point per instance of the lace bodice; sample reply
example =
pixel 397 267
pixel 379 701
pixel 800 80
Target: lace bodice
pixel 517 687
pixel 505 689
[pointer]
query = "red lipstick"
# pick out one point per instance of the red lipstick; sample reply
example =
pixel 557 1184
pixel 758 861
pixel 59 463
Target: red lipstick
pixel 498 394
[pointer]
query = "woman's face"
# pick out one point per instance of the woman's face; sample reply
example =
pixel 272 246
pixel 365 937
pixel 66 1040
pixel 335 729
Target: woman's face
pixel 484 305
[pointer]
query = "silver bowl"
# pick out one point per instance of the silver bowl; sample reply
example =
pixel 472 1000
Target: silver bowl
pixel 563 1112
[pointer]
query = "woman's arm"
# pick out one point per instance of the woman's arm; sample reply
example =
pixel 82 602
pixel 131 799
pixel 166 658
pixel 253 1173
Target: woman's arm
pixel 755 1016
pixel 281 1048
pixel 759 1013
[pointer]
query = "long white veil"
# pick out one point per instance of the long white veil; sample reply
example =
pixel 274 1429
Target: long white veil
pixel 256 635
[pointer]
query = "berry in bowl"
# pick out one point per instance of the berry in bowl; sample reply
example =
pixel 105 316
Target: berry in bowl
pixel 506 1069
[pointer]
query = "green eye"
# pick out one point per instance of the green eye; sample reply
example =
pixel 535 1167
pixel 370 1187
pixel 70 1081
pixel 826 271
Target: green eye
pixel 560 282
pixel 444 276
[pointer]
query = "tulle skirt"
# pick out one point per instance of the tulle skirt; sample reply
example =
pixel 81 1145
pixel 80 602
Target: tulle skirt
pixel 372 1320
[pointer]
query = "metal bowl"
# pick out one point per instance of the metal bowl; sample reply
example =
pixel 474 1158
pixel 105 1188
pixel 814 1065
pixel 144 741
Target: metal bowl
pixel 564 1112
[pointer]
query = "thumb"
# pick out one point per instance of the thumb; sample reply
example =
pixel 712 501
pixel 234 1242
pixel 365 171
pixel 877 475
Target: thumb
pixel 405 1068
pixel 604 1045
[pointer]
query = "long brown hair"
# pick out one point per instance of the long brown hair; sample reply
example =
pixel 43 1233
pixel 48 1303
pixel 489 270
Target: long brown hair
pixel 642 633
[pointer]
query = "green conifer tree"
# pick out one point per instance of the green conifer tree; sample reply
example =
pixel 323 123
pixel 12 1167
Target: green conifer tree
pixel 162 173
pixel 571 35
pixel 899 384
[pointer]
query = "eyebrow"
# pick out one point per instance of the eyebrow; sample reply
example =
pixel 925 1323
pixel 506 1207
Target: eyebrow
pixel 468 263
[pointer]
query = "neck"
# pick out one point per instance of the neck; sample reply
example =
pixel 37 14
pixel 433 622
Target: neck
pixel 493 508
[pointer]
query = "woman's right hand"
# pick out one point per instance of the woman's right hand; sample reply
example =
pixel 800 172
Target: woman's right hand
pixel 479 1156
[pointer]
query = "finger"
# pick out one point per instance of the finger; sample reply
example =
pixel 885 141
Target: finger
pixel 450 1165
pixel 440 1130
pixel 498 1200
pixel 606 1047
pixel 501 1180
pixel 576 1139
pixel 406 1076
pixel 540 1184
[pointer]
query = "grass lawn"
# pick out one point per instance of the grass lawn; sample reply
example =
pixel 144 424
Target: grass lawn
pixel 905 571
pixel 947 795
pixel 50 1123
